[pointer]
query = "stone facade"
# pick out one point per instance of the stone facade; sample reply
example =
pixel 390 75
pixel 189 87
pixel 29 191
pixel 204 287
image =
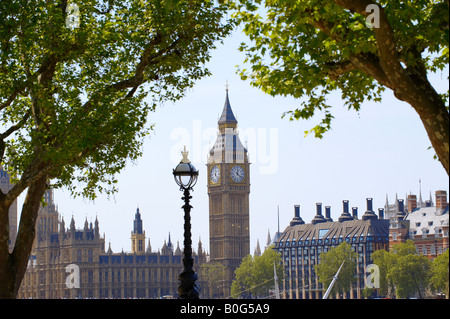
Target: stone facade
pixel 73 263
pixel 228 171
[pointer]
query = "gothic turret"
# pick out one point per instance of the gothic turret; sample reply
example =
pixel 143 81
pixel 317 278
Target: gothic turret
pixel 138 235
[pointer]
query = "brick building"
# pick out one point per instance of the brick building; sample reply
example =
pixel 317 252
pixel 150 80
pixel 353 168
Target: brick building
pixel 426 226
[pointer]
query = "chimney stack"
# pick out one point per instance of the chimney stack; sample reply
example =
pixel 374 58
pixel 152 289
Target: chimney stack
pixel 381 213
pixel 401 205
pixel 345 216
pixel 355 213
pixel 401 209
pixel 328 214
pixel 412 203
pixel 297 219
pixel 441 200
pixel 369 214
pixel 319 217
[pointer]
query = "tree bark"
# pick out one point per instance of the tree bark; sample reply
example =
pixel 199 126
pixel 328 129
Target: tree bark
pixel 409 84
pixel 435 119
pixel 13 265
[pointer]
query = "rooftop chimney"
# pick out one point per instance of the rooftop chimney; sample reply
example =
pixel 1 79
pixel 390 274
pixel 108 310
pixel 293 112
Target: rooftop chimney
pixel 369 214
pixel 355 213
pixel 412 203
pixel 381 213
pixel 319 217
pixel 297 219
pixel 328 214
pixel 345 212
pixel 441 200
pixel 401 209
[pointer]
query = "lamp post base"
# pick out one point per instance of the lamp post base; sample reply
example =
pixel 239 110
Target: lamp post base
pixel 187 288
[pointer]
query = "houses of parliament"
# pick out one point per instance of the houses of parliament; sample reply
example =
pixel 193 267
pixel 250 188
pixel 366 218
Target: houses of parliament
pixel 73 262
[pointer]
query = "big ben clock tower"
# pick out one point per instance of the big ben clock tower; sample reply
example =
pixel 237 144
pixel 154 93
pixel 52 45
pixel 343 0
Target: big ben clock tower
pixel 228 190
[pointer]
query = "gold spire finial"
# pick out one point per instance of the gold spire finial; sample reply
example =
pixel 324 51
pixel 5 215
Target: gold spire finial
pixel 185 154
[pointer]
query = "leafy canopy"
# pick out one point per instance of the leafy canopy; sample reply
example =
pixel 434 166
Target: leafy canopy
pixel 255 275
pixel 402 270
pixel 329 266
pixel 310 49
pixel 77 86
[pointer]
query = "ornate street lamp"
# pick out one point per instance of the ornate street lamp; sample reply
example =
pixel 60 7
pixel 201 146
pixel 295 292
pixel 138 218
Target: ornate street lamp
pixel 186 176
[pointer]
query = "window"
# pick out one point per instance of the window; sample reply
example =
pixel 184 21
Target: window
pixel 322 233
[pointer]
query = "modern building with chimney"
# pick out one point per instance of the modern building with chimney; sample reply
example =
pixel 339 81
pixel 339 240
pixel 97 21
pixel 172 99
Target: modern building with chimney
pixel 301 244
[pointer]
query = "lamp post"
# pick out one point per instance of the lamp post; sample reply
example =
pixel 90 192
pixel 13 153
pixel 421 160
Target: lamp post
pixel 186 176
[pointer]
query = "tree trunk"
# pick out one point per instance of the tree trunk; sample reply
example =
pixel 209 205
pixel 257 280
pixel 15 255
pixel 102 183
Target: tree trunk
pixel 434 115
pixel 436 123
pixel 13 265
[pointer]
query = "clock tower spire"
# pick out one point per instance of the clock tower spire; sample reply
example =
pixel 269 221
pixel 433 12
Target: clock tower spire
pixel 228 191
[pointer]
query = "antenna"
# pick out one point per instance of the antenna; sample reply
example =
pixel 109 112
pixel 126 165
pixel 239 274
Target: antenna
pixel 278 218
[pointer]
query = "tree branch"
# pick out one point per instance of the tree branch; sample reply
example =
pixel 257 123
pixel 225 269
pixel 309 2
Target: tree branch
pixel 16 127
pixel 33 172
pixel 17 90
pixel 387 52
pixel 27 229
pixel 336 69
pixel 368 63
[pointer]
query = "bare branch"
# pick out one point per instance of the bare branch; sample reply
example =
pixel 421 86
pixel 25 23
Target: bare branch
pixel 15 127
pixel 19 89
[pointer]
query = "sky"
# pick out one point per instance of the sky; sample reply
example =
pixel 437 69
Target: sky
pixel 380 151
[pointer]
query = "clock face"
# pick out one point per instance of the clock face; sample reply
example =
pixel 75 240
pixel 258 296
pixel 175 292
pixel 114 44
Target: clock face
pixel 215 174
pixel 237 174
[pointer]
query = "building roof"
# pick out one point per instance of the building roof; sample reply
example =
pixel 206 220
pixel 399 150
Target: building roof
pixel 228 141
pixel 427 220
pixel 352 230
pixel 227 113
